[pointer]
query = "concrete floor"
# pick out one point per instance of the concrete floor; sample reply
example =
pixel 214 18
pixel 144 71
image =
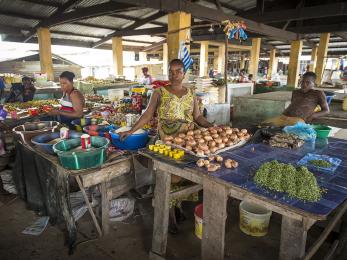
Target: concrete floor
pixel 129 240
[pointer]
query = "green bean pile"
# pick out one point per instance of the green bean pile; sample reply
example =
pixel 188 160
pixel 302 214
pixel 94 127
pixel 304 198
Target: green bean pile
pixel 320 163
pixel 298 183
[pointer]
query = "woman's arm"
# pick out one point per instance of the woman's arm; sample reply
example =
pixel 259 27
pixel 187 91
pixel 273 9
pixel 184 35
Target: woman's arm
pixel 145 117
pixel 198 117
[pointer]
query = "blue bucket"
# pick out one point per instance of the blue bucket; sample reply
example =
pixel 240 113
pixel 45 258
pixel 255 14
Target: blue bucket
pixel 329 96
pixel 132 142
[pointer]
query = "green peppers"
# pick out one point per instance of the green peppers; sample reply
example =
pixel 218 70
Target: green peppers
pixel 320 163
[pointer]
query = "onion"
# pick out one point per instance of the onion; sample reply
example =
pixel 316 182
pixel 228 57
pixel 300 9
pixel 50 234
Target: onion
pixel 236 130
pixel 206 162
pixel 203 130
pixel 190 133
pixel 213 167
pixel 242 138
pixel 229 143
pixel 213 149
pixel 211 158
pixel 240 134
pixel 219 158
pixel 190 138
pixel 200 152
pixel 200 163
pixel 203 147
pixel 178 140
pixel 208 138
pixel 211 144
pixel 197 132
pixel 228 164
pixel 206 133
pixel 201 141
pixel 244 131
pixel 168 138
pixel 219 130
pixel 221 146
pixel 223 134
pixel 227 127
pixel 181 135
pixel 197 136
pixel 235 164
pixel 228 131
pixel 233 136
pixel 215 136
pixel 213 131
pixel 225 139
pixel 218 140
pixel 168 143
pixel 191 143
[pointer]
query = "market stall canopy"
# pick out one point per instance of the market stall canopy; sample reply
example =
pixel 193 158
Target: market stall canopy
pixel 92 23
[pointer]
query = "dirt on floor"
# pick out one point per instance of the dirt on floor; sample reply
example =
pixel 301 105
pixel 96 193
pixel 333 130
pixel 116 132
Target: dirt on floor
pixel 129 239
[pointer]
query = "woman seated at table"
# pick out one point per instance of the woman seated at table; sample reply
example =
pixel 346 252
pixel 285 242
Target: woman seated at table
pixel 178 111
pixel 22 92
pixel 72 102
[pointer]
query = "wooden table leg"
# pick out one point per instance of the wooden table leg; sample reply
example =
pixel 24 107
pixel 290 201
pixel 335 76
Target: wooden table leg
pixel 215 213
pixel 88 205
pixel 293 239
pixel 161 214
pixel 105 207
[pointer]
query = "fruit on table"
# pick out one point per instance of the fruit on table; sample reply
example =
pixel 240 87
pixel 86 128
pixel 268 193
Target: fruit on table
pixel 320 163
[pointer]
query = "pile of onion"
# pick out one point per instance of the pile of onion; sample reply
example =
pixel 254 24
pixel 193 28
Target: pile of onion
pixel 213 163
pixel 208 141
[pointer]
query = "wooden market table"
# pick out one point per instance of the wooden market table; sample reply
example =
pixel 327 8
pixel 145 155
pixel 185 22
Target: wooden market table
pixel 297 216
pixel 45 175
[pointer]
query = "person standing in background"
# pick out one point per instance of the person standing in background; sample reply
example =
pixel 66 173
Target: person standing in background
pixel 2 87
pixel 28 89
pixel 146 79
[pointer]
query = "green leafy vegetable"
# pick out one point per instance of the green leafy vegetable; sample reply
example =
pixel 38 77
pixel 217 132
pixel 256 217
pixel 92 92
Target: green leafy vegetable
pixel 320 163
pixel 298 183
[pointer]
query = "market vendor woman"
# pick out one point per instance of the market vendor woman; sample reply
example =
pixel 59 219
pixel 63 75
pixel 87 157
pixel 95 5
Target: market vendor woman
pixel 72 102
pixel 178 111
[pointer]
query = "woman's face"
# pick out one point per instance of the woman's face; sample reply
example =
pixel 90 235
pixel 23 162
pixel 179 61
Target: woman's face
pixel 176 73
pixel 65 84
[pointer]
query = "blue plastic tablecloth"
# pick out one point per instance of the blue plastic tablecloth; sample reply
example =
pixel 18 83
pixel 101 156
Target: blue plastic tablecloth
pixel 251 157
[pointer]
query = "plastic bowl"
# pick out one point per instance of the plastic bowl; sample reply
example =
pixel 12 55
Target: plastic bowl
pixel 329 96
pixel 99 130
pixel 322 130
pixel 133 142
pixel 83 159
pixel 42 141
pixel 27 131
pixel 80 123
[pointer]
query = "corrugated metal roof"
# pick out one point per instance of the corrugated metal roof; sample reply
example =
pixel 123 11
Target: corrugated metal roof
pixel 138 13
pixel 72 37
pixel 88 3
pixel 163 19
pixel 74 28
pixel 146 38
pixel 148 25
pixel 135 44
pixel 107 20
pixel 26 8
pixel 17 22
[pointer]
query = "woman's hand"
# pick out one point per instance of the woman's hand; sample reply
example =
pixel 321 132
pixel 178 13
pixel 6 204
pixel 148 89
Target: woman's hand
pixel 53 112
pixel 124 135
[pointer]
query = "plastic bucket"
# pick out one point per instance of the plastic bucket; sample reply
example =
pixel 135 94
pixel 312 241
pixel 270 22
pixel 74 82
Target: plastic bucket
pixel 254 219
pixel 198 220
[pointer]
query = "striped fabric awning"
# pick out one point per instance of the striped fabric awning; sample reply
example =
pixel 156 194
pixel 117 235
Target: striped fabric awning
pixel 185 57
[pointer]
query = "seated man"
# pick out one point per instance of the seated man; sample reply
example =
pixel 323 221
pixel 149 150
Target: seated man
pixel 303 104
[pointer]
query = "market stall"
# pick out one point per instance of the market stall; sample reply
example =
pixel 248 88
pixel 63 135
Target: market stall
pixel 235 177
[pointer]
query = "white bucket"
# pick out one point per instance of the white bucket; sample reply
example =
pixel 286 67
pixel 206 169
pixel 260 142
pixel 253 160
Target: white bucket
pixel 254 219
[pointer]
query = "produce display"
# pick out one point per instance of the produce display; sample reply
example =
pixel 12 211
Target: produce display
pixel 205 141
pixel 283 140
pixel 213 163
pixel 167 150
pixel 320 163
pixel 298 183
pixel 94 98
pixel 39 104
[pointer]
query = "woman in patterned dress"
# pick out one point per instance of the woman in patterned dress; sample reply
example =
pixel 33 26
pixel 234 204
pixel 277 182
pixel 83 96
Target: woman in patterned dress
pixel 178 111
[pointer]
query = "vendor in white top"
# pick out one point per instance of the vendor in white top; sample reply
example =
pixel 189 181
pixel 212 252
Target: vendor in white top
pixel 146 79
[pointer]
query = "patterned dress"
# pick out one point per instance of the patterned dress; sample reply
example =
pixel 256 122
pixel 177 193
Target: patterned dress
pixel 175 115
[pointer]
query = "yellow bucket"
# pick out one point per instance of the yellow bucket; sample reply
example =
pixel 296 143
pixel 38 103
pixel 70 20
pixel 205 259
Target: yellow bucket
pixel 198 220
pixel 254 219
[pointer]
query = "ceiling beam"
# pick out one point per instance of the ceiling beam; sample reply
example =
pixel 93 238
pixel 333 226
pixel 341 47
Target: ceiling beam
pixel 154 46
pixel 66 7
pixel 106 27
pixel 130 18
pixel 149 31
pixel 322 28
pixel 311 12
pixel 21 15
pixel 131 27
pixel 43 2
pixel 210 14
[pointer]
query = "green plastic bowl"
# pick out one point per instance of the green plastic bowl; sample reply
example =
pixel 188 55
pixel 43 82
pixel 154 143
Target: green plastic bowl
pixel 322 130
pixel 77 160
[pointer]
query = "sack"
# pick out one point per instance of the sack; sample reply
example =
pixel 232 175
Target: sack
pixel 302 130
pixel 344 105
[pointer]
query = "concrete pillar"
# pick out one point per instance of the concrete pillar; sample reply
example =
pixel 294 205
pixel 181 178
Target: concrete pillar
pixel 313 62
pixel 176 34
pixel 221 59
pixel 254 59
pixel 294 63
pixel 165 59
pixel 44 39
pixel 142 56
pixel 242 62
pixel 321 56
pixel 272 65
pixel 203 68
pixel 117 50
